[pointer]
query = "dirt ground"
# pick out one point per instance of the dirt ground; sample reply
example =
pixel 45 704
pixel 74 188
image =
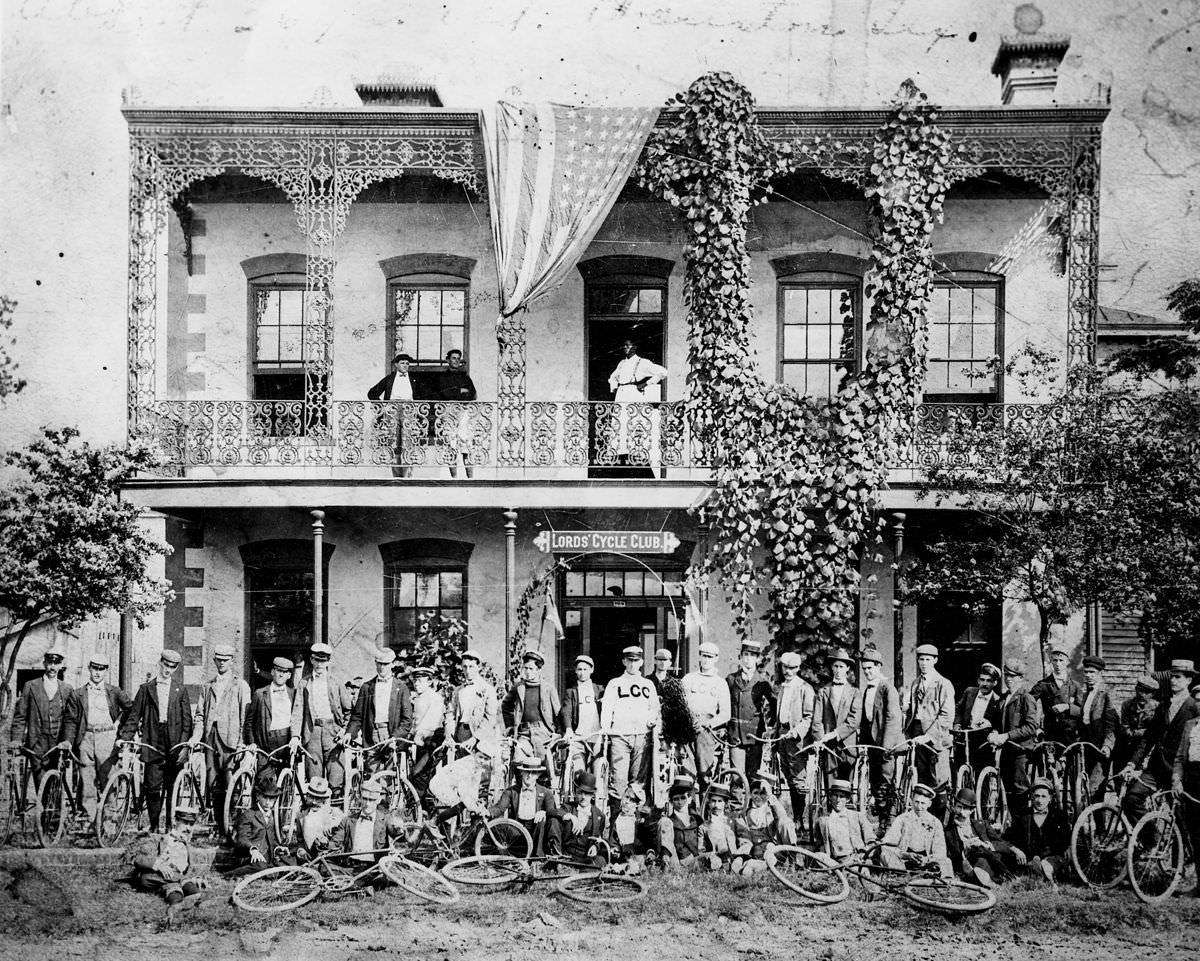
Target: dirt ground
pixel 683 918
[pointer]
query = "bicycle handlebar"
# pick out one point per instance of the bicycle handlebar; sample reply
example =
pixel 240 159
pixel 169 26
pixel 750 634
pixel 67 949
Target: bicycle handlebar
pixel 138 745
pixel 766 740
pixel 194 746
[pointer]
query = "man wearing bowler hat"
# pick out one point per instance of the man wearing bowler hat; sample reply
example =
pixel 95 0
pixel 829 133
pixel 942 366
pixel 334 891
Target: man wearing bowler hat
pixel 37 723
pixel 269 720
pixel 1097 725
pixel 1019 721
pixel 879 725
pixel 532 707
pixel 93 714
pixel 162 714
pixel 835 716
pixel 320 714
pixel 628 714
pixel 383 709
pixel 928 717
pixel 224 701
pixel 257 843
pixel 751 707
pixel 1154 757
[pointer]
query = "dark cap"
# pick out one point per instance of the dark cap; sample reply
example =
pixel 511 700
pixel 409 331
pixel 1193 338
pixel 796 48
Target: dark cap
pixel 1092 661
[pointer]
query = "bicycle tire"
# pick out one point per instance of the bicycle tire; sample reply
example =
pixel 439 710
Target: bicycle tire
pixel 948 897
pixel 964 777
pixel 486 870
pixel 405 799
pixel 417 879
pixel 238 798
pixel 287 807
pixel 991 803
pixel 277 889
pixel 112 813
pixel 51 821
pixel 1155 867
pixel 1099 839
pixel 809 876
pixel 506 837
pixel 601 887
pixel 10 809
pixel 186 795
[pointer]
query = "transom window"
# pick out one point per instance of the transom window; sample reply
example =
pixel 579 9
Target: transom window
pixel 819 332
pixel 429 318
pixel 964 337
pixel 414 591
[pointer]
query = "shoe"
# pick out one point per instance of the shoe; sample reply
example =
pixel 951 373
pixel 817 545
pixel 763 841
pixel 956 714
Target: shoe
pixel 1047 870
pixel 984 878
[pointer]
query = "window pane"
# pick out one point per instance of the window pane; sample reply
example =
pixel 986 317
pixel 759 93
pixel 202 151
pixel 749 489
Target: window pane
pixel 406 306
pixel 652 585
pixel 793 376
pixel 406 595
pixel 984 340
pixel 673 581
pixel 404 627
pixel 430 306
pixel 633 583
pixel 574 584
pixel 935 379
pixel 594 584
pixel 793 341
pixel 819 306
pixel 960 340
pixel 454 306
pixel 291 307
pixel 427 589
pixel 452 339
pixel 455 612
pixel 291 345
pixel 266 344
pixel 451 588
pixel 985 305
pixel 650 301
pixel 817 346
pixel 794 305
pixel 614 583
pixel 429 344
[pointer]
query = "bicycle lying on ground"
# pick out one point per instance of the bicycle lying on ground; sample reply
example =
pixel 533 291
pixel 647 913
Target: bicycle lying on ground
pixel 825 881
pixel 582 882
pixel 425 842
pixel 338 874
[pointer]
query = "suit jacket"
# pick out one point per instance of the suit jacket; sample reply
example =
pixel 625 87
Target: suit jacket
pixel 801 700
pixel 962 717
pixel 383 389
pixel 482 717
pixel 756 694
pixel 1062 727
pixel 1186 771
pixel 143 716
pixel 883 728
pixel 340 705
pixel 258 718
pixel 227 715
pixel 859 832
pixel 1161 741
pixel 400 712
pixel 932 713
pixel 75 720
pixel 1020 719
pixel 31 725
pixel 256 831
pixel 512 708
pixel 1099 725
pixel 449 386
pixel 379 838
pixel 1054 835
pixel 983 831
pixel 843 720
pixel 506 805
pixel 569 716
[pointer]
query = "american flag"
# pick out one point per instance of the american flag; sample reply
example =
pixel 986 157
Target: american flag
pixel 554 173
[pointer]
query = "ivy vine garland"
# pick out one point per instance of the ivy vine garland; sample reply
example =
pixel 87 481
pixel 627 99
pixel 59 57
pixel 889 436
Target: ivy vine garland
pixel 796 479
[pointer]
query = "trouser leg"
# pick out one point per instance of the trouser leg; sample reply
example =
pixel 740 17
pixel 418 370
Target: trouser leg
pixel 792 767
pixel 1014 772
pixel 217 775
pixel 620 765
pixel 95 755
pixel 737 758
pixel 153 776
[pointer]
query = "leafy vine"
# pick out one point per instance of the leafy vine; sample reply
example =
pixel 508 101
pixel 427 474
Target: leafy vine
pixel 796 479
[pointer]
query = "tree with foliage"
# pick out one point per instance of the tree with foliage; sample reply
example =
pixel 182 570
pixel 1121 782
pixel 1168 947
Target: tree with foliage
pixel 441 641
pixel 70 548
pixel 10 383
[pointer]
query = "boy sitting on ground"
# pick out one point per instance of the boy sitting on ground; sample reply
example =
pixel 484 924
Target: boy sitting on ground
pixel 579 831
pixel 161 863
pixel 318 821
pixel 679 828
pixel 843 832
pixel 725 840
pixel 766 821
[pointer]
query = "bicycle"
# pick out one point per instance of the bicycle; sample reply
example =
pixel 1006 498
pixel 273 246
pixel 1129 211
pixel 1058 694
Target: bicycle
pixel 819 878
pixel 1100 838
pixel 769 767
pixel 1076 789
pixel 122 794
pixel 17 805
pixel 964 773
pixel 724 773
pixel 584 883
pixel 991 797
pixel 59 803
pixel 292 782
pixel 861 795
pixel 398 791
pixel 593 757
pixel 1046 763
pixel 286 887
pixel 425 843
pixel 1158 852
pixel 239 796
pixel 189 790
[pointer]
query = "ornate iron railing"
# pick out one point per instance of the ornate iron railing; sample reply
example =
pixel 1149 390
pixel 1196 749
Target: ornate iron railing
pixel 569 438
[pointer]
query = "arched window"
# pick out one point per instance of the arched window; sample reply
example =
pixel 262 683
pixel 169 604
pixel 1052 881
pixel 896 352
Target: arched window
pixel 425 575
pixel 428 311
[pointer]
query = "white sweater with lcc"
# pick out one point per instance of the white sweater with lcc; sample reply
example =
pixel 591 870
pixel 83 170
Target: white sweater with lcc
pixel 630 705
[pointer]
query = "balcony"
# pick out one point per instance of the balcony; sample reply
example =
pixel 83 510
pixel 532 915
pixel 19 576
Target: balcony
pixel 563 440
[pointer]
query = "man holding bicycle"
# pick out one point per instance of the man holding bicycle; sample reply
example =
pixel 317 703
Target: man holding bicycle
pixel 628 714
pixel 320 712
pixel 1061 699
pixel 708 699
pixel 928 719
pixel 1155 755
pixel 532 707
pixel 474 709
pixel 580 719
pixel 795 705
pixel 1020 720
pixel 835 715
pixel 880 721
pixel 37 724
pixel 1098 725
pixel 383 709
pixel 751 705
pixel 93 713
pixel 1185 777
pixel 269 720
pixel 978 713
pixel 224 701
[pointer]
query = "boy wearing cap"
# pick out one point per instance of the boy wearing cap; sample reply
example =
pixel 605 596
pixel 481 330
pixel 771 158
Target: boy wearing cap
pixel 977 852
pixel 319 819
pixel 37 723
pixel 269 719
pixel 663 659
pixel 978 713
pixel 1061 699
pixel 928 718
pixel 915 838
pixel 90 721
pixel 1135 716
pixel 1155 754
pixel 532 707
pixel 843 832
pixel 474 708
pixel 880 721
pixel 383 709
pixel 751 705
pixel 708 698
pixel 835 715
pixel 1097 725
pixel 1016 732
pixel 529 803
pixel 162 714
pixel 1040 836
pixel 429 716
pixel 796 703
pixel 580 721
pixel 224 701
pixel 320 712
pixel 629 712
pixel 678 828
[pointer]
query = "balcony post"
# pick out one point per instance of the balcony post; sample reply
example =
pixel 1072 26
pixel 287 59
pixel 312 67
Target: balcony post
pixel 510 586
pixel 318 531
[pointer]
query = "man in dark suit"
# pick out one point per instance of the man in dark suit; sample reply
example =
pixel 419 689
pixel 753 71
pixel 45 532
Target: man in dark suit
pixel 835 717
pixel 751 707
pixel 575 834
pixel 529 803
pixel 977 851
pixel 93 714
pixel 1098 725
pixel 162 714
pixel 879 725
pixel 1154 757
pixel 1039 837
pixel 454 387
pixel 37 723
pixel 383 709
pixel 1185 777
pixel 269 719
pixel 256 841
pixel 1020 721
pixel 978 712
pixel 319 717
pixel 396 386
pixel 1061 699
pixel 532 707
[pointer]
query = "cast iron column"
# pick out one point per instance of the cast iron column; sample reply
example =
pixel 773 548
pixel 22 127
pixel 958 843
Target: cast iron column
pixel 318 529
pixel 510 584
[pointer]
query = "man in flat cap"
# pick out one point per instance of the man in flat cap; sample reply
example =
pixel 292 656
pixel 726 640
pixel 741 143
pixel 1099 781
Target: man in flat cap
pixel 978 713
pixel 915 838
pixel 977 851
pixel 532 707
pixel 224 702
pixel 928 718
pixel 629 712
pixel 835 715
pixel 41 710
pixel 708 698
pixel 580 721
pixel 162 714
pixel 1015 733
pixel 1061 699
pixel 90 721
pixel 269 720
pixel 429 719
pixel 663 659
pixel 879 726
pixel 751 707
pixel 383 709
pixel 1098 726
pixel 795 704
pixel 1154 757
pixel 1133 719
pixel 844 832
pixel 320 714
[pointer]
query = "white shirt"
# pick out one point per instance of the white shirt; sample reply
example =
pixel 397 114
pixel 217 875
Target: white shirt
pixel 163 691
pixel 979 707
pixel 428 713
pixel 589 711
pixel 623 380
pixel 707 696
pixel 318 698
pixel 97 702
pixel 281 708
pixel 630 705
pixel 1088 701
pixel 836 693
pixel 401 387
pixel 383 700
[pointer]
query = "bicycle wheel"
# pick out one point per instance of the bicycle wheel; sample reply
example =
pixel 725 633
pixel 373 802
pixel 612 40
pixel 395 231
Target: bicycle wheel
pixel 51 820
pixel 504 836
pixel 112 813
pixel 601 887
pixel 277 889
pixel 1154 856
pixel 964 777
pixel 486 870
pixel 808 875
pixel 406 801
pixel 991 804
pixel 186 795
pixel 287 807
pixel 948 897
pixel 417 879
pixel 238 798
pixel 10 809
pixel 1099 839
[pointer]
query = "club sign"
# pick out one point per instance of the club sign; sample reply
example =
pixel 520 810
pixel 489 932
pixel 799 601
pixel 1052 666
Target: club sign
pixel 605 542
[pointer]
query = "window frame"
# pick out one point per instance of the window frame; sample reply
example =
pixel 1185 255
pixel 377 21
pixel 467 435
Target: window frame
pixel 283 280
pixel 423 556
pixel 970 280
pixel 814 278
pixel 430 280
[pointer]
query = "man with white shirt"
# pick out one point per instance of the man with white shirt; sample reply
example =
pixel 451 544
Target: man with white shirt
pixel 978 712
pixel 383 709
pixel 879 724
pixel 795 704
pixel 92 714
pixel 41 709
pixel 580 719
pixel 162 714
pixel 396 386
pixel 474 709
pixel 635 381
pixel 269 720
pixel 1097 725
pixel 928 718
pixel 708 697
pixel 224 701
pixel 319 715
pixel 835 715
pixel 628 715
pixel 429 715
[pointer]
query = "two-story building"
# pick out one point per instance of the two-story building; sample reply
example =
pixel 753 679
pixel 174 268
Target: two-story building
pixel 280 259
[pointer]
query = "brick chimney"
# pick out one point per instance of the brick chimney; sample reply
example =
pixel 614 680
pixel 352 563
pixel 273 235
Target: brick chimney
pixel 1027 65
pixel 392 92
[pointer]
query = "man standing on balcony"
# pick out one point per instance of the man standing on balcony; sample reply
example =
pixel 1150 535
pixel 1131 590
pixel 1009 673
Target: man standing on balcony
pixel 396 386
pixel 751 705
pixel 455 388
pixel 635 381
pixel 708 698
pixel 224 701
pixel 319 715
